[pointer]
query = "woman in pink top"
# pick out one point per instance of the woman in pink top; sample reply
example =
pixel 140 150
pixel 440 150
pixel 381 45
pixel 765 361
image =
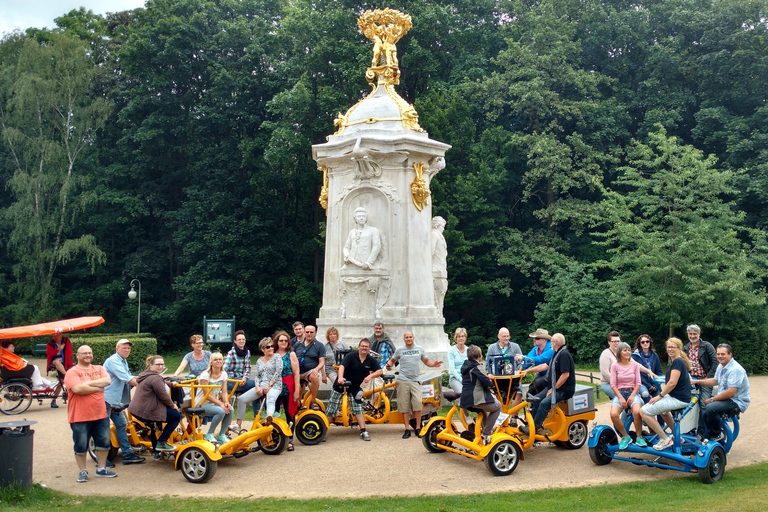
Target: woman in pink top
pixel 625 383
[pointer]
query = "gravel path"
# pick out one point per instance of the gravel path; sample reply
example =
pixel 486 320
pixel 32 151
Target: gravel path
pixel 403 464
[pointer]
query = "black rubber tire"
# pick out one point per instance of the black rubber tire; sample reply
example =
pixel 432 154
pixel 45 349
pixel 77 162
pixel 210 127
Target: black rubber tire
pixel 92 452
pixel 275 444
pixel 578 433
pixel 430 438
pixel 715 468
pixel 599 454
pixel 16 398
pixel 196 466
pixel 310 429
pixel 503 458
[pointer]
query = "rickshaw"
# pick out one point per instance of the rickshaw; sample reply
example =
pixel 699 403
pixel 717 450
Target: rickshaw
pixel 312 425
pixel 456 433
pixel 689 452
pixel 16 392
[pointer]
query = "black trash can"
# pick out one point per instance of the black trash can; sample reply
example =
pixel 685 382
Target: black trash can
pixel 16 453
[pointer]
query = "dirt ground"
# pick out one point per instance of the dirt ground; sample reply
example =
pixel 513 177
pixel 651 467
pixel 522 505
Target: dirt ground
pixel 403 465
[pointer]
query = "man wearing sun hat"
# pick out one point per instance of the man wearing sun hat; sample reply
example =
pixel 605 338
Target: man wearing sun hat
pixel 119 392
pixel 540 353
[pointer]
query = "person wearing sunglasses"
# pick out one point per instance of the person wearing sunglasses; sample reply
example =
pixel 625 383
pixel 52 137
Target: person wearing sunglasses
pixel 645 355
pixel 269 383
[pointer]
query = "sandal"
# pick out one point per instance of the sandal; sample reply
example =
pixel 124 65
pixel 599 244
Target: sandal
pixel 290 447
pixel 315 407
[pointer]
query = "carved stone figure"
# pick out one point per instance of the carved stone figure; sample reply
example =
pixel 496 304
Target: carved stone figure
pixel 439 263
pixel 363 243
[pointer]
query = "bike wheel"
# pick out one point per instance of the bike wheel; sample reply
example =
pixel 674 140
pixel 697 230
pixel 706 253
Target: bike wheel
pixel 310 429
pixel 275 443
pixel 430 438
pixel 577 435
pixel 15 398
pixel 503 458
pixel 599 454
pixel 197 467
pixel 92 451
pixel 715 467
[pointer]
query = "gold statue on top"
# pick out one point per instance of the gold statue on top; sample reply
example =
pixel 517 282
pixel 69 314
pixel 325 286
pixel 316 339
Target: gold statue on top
pixel 385 27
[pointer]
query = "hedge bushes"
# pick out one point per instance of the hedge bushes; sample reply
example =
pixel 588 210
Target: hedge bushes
pixel 103 346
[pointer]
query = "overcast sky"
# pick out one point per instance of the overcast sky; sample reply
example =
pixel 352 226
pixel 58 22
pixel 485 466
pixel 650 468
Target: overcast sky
pixel 23 14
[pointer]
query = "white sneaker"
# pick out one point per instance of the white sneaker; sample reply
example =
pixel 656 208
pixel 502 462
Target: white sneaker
pixel 664 444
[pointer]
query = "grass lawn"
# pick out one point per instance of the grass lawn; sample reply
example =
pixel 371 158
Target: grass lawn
pixel 743 489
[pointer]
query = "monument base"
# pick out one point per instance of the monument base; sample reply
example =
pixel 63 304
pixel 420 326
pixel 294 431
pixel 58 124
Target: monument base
pixel 429 333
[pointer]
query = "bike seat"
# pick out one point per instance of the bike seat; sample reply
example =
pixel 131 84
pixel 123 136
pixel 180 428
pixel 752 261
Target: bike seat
pixel 347 385
pixel 451 396
pixel 118 407
pixel 196 411
pixel 388 377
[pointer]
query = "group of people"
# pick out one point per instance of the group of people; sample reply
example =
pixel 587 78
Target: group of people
pixel 96 393
pixel 629 378
pixel 550 359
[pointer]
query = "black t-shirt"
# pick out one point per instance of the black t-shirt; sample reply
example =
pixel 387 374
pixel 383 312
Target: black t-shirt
pixel 355 370
pixel 563 361
pixel 682 390
pixel 309 356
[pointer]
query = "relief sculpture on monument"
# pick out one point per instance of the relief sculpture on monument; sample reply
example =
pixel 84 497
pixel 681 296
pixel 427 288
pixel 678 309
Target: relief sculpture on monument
pixel 364 274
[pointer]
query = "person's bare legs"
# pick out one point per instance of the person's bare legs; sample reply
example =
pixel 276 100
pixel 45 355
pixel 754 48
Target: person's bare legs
pixel 314 387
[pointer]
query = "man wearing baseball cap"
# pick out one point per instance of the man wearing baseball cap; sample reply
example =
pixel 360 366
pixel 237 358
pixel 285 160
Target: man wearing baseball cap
pixel 119 392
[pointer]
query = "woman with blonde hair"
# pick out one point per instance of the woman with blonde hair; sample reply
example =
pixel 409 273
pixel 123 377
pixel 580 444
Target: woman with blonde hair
pixel 675 394
pixel 217 404
pixel 457 354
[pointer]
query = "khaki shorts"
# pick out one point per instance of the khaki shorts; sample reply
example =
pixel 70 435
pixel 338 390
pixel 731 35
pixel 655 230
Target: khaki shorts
pixel 408 396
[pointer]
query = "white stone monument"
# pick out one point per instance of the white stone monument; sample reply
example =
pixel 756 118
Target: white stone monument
pixel 379 241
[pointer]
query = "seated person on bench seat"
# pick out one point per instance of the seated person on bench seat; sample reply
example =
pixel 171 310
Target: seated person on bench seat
pixel 561 383
pixel 476 389
pixel 732 391
pixel 151 402
pixel 15 366
pixel 675 394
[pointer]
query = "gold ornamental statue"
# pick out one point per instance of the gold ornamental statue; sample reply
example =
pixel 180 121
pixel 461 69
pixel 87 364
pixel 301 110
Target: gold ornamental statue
pixel 384 27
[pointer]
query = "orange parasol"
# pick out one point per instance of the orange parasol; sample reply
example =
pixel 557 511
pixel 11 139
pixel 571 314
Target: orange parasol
pixel 63 326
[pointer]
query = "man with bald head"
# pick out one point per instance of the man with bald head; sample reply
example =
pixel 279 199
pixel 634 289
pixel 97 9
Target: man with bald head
pixel 408 380
pixel 503 347
pixel 87 411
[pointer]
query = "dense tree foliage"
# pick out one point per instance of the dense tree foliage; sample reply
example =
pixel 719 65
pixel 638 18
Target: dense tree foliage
pixel 608 163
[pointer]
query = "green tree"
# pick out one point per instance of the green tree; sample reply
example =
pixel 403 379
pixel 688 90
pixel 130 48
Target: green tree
pixel 678 249
pixel 49 116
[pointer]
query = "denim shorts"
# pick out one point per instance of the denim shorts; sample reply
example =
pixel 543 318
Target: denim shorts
pixel 97 429
pixel 637 400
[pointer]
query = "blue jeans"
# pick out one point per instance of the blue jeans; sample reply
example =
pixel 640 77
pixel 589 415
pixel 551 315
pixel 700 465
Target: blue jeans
pixel 712 413
pixel 705 392
pixel 241 388
pixel 606 388
pixel 97 429
pixel 218 414
pixel 542 407
pixel 172 419
pixel 118 418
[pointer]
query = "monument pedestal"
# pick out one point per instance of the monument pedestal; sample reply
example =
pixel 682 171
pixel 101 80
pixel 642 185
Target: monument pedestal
pixel 378 241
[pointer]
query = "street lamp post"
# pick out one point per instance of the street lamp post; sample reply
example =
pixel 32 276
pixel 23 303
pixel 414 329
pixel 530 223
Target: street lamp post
pixel 132 295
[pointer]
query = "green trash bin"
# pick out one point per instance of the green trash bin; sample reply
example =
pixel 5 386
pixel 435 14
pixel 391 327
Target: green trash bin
pixel 16 439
